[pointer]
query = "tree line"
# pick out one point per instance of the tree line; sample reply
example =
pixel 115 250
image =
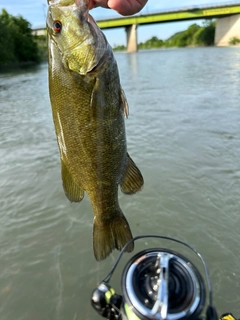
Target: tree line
pixel 17 44
pixel 195 35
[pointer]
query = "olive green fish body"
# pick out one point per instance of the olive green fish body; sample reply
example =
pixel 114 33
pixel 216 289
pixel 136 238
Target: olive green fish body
pixel 88 107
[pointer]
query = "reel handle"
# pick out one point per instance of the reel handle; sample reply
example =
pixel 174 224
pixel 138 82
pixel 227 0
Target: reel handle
pixel 106 302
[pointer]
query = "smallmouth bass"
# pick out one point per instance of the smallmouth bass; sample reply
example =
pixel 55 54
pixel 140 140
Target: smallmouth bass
pixel 88 108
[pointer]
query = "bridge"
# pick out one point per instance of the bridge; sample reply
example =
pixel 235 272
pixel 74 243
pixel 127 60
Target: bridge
pixel 227 25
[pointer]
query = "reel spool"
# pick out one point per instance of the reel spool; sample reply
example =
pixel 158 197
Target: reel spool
pixel 162 284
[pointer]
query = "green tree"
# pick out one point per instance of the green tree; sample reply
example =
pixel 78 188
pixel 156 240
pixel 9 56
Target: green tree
pixel 205 35
pixel 16 41
pixel 119 48
pixel 6 44
pixel 185 38
pixel 234 41
pixel 154 42
pixel 25 48
pixel 193 36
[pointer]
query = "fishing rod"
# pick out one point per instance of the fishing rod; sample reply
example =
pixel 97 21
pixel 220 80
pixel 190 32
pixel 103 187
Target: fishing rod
pixel 158 284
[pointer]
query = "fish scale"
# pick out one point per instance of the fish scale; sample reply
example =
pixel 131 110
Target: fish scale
pixel 88 108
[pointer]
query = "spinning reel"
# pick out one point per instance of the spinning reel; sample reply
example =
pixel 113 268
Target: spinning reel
pixel 156 284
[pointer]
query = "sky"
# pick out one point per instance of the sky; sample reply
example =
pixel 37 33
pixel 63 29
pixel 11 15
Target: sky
pixel 35 12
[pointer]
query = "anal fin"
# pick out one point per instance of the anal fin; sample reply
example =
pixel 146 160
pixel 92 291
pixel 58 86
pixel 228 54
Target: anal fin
pixel 132 180
pixel 73 192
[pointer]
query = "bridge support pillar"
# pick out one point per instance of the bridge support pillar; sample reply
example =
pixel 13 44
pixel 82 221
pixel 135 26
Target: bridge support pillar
pixel 131 32
pixel 227 28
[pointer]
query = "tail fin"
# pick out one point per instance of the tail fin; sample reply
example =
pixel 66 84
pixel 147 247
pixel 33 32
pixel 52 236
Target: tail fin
pixel 110 234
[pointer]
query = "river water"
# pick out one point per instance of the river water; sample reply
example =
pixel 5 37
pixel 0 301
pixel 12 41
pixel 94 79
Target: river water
pixel 184 134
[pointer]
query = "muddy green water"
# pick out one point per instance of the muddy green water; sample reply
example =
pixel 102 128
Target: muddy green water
pixel 183 132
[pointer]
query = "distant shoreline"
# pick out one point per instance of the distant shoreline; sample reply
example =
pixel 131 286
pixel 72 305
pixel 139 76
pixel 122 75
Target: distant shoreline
pixel 14 65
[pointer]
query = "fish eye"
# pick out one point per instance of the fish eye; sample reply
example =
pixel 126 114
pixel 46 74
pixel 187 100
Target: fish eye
pixel 57 26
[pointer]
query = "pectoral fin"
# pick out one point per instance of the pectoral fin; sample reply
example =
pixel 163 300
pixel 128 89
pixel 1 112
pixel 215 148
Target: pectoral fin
pixel 97 99
pixel 73 192
pixel 97 102
pixel 132 180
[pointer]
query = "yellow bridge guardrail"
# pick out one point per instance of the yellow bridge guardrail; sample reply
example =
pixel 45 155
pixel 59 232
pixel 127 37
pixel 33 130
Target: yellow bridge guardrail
pixel 200 13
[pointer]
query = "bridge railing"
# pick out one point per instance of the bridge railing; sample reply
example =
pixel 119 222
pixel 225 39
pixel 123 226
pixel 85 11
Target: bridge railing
pixel 187 8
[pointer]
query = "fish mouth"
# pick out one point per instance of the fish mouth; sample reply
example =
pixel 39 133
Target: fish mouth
pixel 63 2
pixel 60 2
pixel 80 6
